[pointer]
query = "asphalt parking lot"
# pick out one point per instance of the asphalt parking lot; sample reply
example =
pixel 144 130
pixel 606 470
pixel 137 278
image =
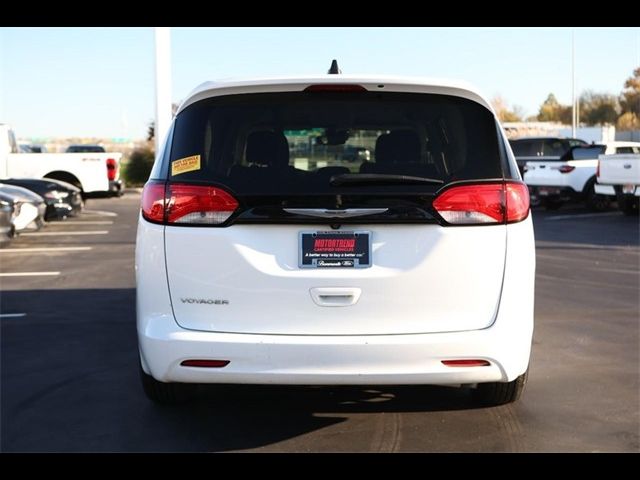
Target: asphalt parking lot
pixel 69 378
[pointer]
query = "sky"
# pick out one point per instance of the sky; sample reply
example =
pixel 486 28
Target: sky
pixel 99 82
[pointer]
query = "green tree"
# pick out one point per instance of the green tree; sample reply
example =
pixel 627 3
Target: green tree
pixel 549 110
pixel 630 97
pixel 553 111
pixel 598 108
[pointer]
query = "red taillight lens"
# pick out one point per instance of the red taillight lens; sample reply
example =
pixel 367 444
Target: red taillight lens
pixel 566 169
pixel 112 168
pixel 487 203
pixel 598 170
pixel 470 204
pixel 205 363
pixel 186 204
pixel 466 363
pixel 195 204
pixel 153 201
pixel 334 88
pixel 517 199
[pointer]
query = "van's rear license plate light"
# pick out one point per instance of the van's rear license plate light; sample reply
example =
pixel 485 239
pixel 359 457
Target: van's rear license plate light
pixel 334 249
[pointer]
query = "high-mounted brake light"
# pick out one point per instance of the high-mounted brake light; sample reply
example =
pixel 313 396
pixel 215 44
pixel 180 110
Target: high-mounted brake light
pixel 333 87
pixel 186 204
pixel 112 168
pixel 487 203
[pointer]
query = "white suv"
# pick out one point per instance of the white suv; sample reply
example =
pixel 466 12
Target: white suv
pixel 265 257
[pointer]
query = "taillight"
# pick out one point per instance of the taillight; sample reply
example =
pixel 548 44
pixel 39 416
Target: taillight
pixel 598 170
pixel 186 204
pixel 194 204
pixel 566 168
pixel 112 168
pixel 517 201
pixel 487 203
pixel 153 201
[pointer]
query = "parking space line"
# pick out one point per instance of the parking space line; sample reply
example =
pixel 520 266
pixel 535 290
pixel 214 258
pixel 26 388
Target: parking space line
pixel 29 274
pixel 88 222
pixel 43 249
pixel 51 234
pixel 101 213
pixel 582 215
pixel 12 315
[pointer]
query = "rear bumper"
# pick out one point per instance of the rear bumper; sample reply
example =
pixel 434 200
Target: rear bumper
pixel 116 187
pixel 331 360
pixel 553 192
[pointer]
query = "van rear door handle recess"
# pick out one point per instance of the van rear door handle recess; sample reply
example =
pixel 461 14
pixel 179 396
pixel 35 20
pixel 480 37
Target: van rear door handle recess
pixel 335 296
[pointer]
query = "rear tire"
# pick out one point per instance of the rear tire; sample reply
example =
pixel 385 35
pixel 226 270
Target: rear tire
pixel 166 393
pixel 500 393
pixel 594 201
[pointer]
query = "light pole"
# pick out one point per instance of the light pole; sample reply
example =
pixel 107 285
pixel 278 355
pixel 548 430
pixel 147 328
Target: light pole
pixel 573 84
pixel 163 84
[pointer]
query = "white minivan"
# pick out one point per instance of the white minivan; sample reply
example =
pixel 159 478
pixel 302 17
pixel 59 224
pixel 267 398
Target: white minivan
pixel 265 255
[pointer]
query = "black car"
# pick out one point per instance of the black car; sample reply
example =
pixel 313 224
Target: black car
pixel 528 149
pixel 62 199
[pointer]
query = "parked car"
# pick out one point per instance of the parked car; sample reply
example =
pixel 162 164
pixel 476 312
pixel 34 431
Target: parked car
pixel 6 220
pixel 619 175
pixel 29 207
pixel 541 148
pixel 573 176
pixel 93 173
pixel 62 199
pixel 251 268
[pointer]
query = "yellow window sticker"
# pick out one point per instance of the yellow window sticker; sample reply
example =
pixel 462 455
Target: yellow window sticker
pixel 184 165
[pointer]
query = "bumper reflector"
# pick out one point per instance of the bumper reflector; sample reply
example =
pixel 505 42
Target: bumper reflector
pixel 205 363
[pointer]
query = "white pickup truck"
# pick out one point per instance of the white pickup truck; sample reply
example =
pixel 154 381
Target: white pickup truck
pixel 93 173
pixel 619 175
pixel 573 176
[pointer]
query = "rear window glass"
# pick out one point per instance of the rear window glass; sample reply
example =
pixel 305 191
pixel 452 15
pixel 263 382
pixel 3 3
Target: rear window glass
pixel 587 152
pixel 85 149
pixel 295 142
pixel 555 148
pixel 525 148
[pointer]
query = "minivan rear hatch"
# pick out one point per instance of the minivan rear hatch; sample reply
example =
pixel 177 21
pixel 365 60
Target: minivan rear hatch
pixel 325 221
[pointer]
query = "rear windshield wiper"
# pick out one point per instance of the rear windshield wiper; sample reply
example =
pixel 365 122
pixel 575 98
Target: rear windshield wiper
pixel 380 179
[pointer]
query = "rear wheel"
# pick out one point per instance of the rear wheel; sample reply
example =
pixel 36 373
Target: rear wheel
pixel 629 205
pixel 500 393
pixel 166 393
pixel 595 201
